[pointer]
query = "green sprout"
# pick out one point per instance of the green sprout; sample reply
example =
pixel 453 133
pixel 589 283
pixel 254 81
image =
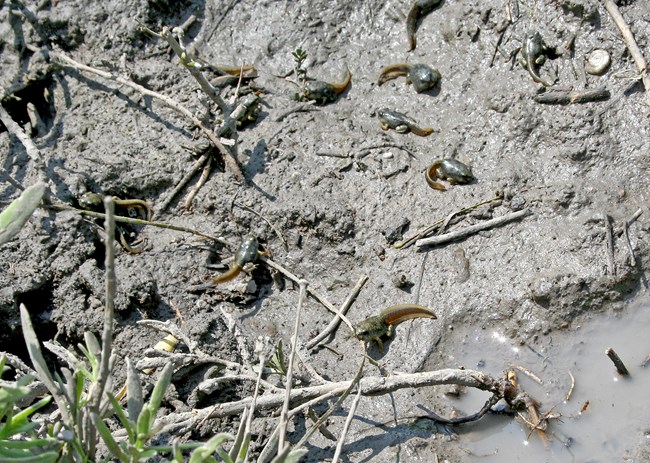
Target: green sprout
pixel 277 362
pixel 299 57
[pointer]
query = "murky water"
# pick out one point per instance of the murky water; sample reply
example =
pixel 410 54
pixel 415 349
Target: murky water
pixel 617 418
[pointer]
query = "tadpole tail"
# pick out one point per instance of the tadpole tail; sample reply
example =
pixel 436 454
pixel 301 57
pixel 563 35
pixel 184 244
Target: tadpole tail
pixel 397 314
pixel 393 72
pixel 536 76
pixel 228 275
pixel 411 25
pixel 422 132
pixel 340 87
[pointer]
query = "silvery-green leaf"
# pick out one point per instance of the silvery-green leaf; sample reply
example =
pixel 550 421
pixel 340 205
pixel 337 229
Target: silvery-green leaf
pixel 19 211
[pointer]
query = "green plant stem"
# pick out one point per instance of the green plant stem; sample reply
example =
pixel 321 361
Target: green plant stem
pixel 97 391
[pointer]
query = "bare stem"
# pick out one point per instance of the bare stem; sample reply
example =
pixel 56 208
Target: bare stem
pixel 31 149
pixel 346 427
pixel 284 421
pixel 189 64
pixel 109 307
pixel 355 382
pixel 609 245
pixel 228 157
pixel 312 292
pixel 618 363
pixel 467 231
pixel 198 165
pixel 129 220
pixel 333 325
pixel 370 386
pixel 97 391
pixel 631 44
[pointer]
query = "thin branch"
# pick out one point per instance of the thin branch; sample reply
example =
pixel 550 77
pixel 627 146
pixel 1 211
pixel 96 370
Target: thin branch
pixel 626 233
pixel 631 44
pixel 312 292
pixel 376 385
pixel 618 363
pixel 189 64
pixel 129 220
pixel 420 279
pixel 333 325
pixel 202 179
pixel 609 245
pixel 315 378
pixel 228 157
pixel 355 382
pixel 198 165
pixel 530 374
pixel 573 385
pixel 562 97
pixel 11 180
pixel 430 229
pixel 346 427
pixel 30 148
pixel 467 231
pixel 491 402
pixel 97 392
pixel 284 421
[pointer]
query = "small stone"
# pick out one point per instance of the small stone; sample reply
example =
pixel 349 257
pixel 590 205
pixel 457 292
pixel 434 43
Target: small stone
pixel 597 62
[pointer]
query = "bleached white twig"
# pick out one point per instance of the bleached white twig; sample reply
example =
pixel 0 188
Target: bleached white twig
pixel 467 231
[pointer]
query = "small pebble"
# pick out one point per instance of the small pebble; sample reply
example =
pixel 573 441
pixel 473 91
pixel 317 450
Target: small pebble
pixel 597 62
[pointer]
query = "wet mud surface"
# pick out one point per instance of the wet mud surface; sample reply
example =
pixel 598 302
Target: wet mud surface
pixel 338 190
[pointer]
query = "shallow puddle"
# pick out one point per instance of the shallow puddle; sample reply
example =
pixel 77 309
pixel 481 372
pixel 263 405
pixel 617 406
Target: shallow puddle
pixel 613 424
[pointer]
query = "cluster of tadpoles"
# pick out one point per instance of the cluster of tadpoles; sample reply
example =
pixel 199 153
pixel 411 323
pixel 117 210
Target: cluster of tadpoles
pixel 423 78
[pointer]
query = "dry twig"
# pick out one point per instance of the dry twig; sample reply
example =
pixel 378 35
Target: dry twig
pixel 129 220
pixel 573 385
pixel 312 292
pixel 467 231
pixel 176 422
pixel 194 191
pixel 530 374
pixel 626 233
pixel 346 426
pixel 633 48
pixel 574 96
pixel 618 363
pixel 284 420
pixel 228 157
pixel 198 165
pixel 609 245
pixel 30 148
pixel 430 229
pixel 343 310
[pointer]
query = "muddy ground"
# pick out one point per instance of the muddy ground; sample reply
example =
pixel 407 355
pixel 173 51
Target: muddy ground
pixel 339 190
